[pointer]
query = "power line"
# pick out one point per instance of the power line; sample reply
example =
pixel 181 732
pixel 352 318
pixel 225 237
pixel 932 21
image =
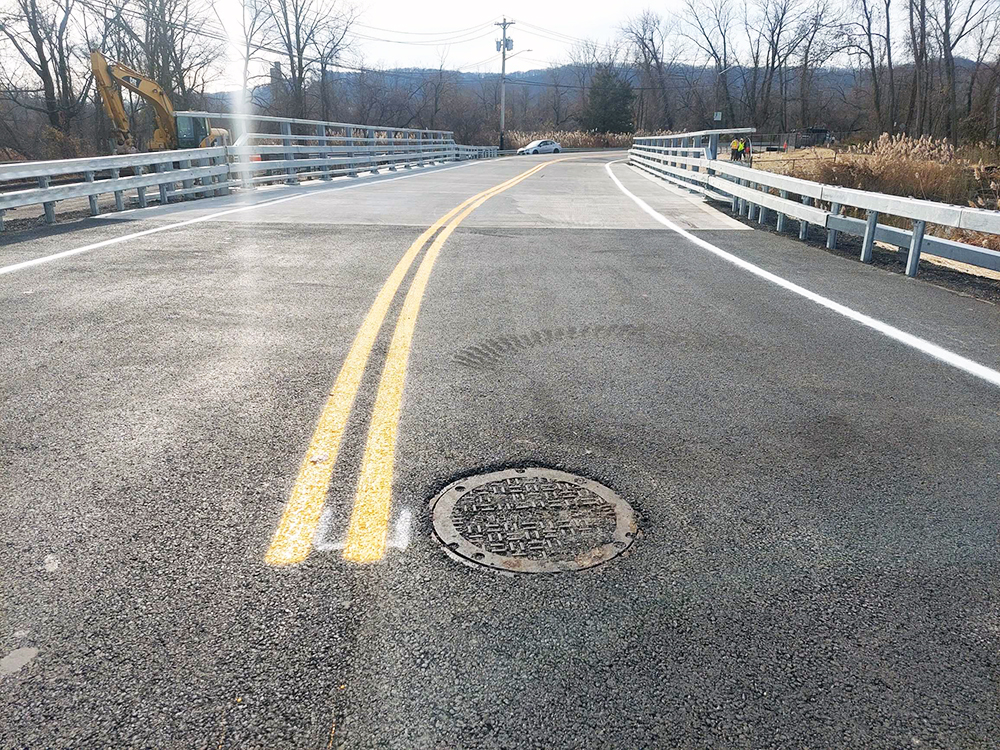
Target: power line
pixel 491 58
pixel 547 63
pixel 477 27
pixel 555 36
pixel 431 43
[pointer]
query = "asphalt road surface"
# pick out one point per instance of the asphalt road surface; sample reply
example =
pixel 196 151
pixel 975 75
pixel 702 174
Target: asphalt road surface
pixel 215 517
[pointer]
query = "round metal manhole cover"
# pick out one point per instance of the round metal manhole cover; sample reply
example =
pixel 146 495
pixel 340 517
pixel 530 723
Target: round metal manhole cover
pixel 532 521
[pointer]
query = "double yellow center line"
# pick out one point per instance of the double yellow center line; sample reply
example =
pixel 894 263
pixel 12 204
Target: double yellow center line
pixel 366 537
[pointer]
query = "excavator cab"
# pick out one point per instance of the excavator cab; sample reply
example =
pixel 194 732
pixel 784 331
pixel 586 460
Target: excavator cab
pixel 194 131
pixel 191 131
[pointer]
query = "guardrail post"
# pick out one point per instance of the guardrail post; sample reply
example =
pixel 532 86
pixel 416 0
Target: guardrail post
pixel 1 219
pixel 140 191
pixel 186 184
pixel 324 154
pixel 205 182
pixel 164 192
pixel 222 180
pixel 712 152
pixel 781 217
pixel 736 200
pixel 94 209
pixel 691 143
pixel 831 234
pixel 916 243
pixel 408 153
pixel 352 165
pixel 119 196
pixel 420 147
pixel 286 129
pixel 803 224
pixel 761 210
pixel 751 206
pixel 49 206
pixel 869 241
pixel 743 201
pixel 372 157
pixel 390 136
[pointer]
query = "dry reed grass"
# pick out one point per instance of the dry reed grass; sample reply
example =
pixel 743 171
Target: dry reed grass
pixel 569 139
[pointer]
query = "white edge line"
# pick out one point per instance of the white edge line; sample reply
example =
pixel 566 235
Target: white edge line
pixel 208 217
pixel 938 352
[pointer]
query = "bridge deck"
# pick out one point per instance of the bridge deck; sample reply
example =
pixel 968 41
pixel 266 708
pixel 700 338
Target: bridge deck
pixel 817 499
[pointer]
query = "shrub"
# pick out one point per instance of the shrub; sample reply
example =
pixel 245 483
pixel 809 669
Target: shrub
pixel 55 144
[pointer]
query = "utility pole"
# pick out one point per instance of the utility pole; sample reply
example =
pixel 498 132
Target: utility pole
pixel 504 45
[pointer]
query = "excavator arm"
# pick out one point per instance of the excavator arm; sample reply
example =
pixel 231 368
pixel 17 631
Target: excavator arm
pixel 106 74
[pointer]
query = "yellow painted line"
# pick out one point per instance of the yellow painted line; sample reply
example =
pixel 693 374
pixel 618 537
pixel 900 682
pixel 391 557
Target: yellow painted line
pixel 293 538
pixel 366 536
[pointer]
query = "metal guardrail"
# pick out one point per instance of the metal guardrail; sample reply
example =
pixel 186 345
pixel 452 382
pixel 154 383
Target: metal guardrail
pixel 200 171
pixel 691 161
pixel 329 150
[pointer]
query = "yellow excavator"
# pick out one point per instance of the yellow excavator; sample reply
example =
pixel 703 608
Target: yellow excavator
pixel 173 130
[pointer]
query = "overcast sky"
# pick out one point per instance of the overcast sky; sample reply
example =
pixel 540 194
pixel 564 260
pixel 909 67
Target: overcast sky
pixel 398 33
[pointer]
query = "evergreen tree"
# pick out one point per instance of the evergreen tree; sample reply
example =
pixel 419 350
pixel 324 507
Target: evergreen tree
pixel 609 104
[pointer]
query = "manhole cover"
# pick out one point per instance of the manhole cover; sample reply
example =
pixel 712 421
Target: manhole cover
pixel 532 521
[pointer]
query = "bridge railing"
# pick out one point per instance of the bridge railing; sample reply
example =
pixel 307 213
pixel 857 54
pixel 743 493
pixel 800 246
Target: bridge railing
pixel 691 161
pixel 195 172
pixel 324 151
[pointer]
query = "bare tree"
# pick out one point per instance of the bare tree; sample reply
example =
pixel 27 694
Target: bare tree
pixel 985 40
pixel 254 24
pixel 709 25
pixel 656 50
pixel 44 35
pixel 954 20
pixel 584 58
pixel 768 26
pixel 817 46
pixel 557 99
pixel 867 42
pixel 309 33
pixel 920 87
pixel 434 89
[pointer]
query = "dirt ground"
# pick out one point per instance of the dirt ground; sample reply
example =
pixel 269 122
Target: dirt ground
pixel 803 162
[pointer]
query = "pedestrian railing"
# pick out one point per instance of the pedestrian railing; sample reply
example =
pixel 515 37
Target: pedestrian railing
pixel 258 156
pixel 691 161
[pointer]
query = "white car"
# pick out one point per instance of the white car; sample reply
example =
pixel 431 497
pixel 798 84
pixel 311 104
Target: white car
pixel 541 147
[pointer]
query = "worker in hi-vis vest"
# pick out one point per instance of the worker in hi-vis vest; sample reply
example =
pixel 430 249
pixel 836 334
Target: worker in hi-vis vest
pixel 735 146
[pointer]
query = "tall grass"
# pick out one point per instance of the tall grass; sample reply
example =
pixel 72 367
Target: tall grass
pixel 569 139
pixel 900 165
